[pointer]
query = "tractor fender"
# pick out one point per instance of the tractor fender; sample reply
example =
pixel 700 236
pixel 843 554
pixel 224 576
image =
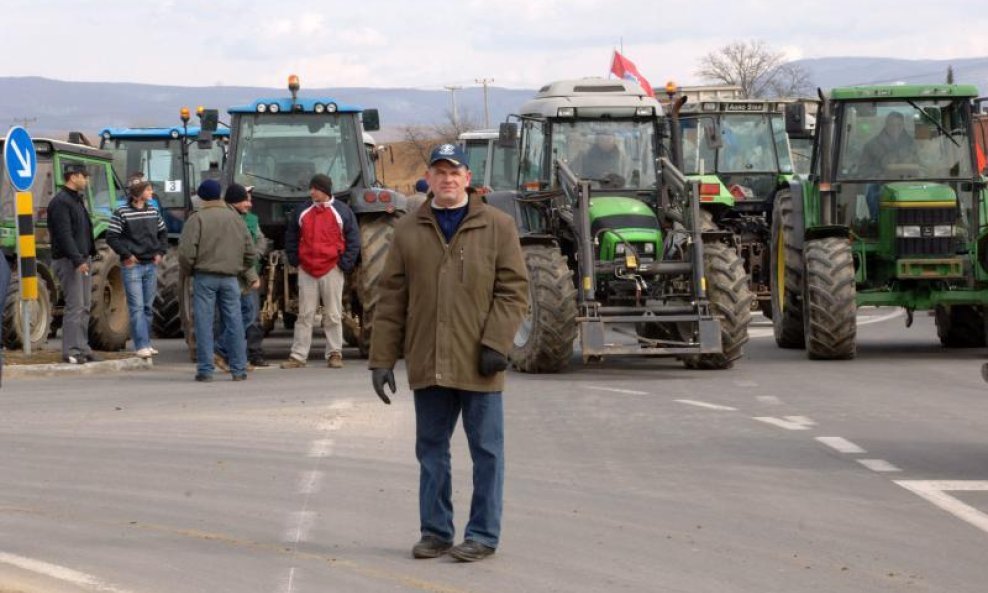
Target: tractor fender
pixel 798 214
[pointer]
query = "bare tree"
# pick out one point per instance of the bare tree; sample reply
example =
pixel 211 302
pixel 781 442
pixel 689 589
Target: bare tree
pixel 450 130
pixel 755 67
pixel 421 139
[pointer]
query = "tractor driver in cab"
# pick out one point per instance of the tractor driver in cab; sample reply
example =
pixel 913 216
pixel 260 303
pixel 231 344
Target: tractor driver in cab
pixel 889 155
pixel 603 161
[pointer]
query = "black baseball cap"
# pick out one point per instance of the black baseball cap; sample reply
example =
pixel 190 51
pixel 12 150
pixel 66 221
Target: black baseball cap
pixel 449 152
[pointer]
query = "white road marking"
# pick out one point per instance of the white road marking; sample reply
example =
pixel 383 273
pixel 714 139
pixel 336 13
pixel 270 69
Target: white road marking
pixel 299 526
pixel 61 573
pixel 782 423
pixel 804 420
pixel 616 390
pixel 707 405
pixel 841 445
pixel 321 448
pixel 759 332
pixel 878 465
pixel 769 399
pixel 934 491
pixel 310 482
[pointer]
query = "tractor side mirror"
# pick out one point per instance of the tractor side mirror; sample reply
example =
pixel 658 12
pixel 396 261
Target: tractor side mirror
pixel 205 139
pixel 372 120
pixel 796 119
pixel 507 135
pixel 209 120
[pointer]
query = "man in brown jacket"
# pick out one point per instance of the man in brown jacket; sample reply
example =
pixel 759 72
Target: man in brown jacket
pixel 453 293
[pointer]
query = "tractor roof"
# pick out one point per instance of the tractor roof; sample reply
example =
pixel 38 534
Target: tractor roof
pixel 736 106
pixel 157 133
pixel 606 97
pixel 301 106
pixel 904 91
pixel 48 146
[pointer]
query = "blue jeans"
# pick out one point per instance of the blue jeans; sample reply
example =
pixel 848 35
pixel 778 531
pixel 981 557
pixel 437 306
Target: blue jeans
pixel 140 284
pixel 249 308
pixel 436 412
pixel 214 292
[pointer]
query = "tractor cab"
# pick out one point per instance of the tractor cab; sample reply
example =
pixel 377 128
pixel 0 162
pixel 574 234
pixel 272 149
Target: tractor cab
pixel 159 153
pixel 738 148
pixel 494 165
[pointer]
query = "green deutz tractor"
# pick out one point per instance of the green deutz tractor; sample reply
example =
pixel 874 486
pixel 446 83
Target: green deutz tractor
pixel 892 213
pixel 611 235
pixel 109 325
pixel 739 152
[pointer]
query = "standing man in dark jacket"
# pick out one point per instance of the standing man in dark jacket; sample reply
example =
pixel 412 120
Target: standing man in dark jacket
pixel 72 250
pixel 138 235
pixel 453 292
pixel 216 251
pixel 323 241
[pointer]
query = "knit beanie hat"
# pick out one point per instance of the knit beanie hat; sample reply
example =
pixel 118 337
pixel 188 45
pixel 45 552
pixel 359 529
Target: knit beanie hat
pixel 422 186
pixel 235 194
pixel 209 190
pixel 323 183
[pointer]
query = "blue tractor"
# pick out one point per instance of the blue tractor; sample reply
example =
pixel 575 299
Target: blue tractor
pixel 277 145
pixel 174 160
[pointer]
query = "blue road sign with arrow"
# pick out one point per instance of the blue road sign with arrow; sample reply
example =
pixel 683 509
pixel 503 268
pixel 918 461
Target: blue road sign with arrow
pixel 19 158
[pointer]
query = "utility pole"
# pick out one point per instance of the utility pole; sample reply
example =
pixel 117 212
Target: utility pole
pixel 487 112
pixel 23 121
pixel 452 95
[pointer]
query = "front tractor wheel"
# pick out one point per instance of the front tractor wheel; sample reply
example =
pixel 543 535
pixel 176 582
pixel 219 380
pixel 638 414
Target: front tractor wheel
pixel 786 276
pixel 544 342
pixel 109 320
pixel 730 300
pixel 830 308
pixel 960 326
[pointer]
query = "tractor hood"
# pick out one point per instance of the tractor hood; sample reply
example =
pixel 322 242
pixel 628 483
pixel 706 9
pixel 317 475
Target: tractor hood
pixel 916 194
pixel 621 213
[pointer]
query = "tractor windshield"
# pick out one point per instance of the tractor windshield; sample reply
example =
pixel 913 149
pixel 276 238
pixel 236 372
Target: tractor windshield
pixel 749 143
pixel 904 140
pixel 612 154
pixel 160 160
pixel 278 153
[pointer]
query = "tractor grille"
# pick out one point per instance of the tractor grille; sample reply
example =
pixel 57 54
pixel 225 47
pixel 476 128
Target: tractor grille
pixel 925 218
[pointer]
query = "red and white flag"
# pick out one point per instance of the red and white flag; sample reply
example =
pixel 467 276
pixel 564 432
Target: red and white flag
pixel 624 68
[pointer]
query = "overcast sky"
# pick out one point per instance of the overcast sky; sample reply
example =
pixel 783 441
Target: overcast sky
pixel 428 44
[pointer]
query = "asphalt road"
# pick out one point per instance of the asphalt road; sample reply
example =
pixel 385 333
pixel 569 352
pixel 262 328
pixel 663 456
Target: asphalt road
pixel 781 475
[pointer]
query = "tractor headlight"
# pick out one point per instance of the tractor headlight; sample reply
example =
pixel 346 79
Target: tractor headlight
pixel 911 231
pixel 649 248
pixel 943 230
pixel 261 107
pixel 619 249
pixel 174 134
pixel 645 111
pixel 274 108
pixel 566 112
pixel 319 108
pixel 331 107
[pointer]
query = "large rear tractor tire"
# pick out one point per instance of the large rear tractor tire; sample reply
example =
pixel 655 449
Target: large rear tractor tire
pixel 39 310
pixel 830 307
pixel 109 322
pixel 376 236
pixel 187 314
pixel 544 342
pixel 167 320
pixel 730 299
pixel 786 276
pixel 960 326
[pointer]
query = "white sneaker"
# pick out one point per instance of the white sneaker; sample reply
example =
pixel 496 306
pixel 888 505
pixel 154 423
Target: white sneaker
pixel 144 353
pixel 153 349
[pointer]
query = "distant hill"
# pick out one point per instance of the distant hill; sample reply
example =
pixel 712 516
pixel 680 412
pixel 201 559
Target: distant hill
pixel 58 106
pixel 830 72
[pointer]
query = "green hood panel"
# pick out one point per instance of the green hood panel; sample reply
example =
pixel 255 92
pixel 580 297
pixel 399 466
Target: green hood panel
pixel 618 206
pixel 904 192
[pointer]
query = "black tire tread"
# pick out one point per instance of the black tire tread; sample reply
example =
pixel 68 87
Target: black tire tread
pixel 730 299
pixel 831 307
pixel 553 312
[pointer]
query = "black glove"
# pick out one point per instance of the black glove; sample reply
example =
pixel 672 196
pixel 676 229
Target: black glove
pixel 491 361
pixel 379 377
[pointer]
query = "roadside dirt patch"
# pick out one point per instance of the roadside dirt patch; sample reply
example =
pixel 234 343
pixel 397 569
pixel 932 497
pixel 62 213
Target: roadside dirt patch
pixel 14 357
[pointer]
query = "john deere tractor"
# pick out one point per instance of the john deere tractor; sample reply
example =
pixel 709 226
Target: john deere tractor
pixel 739 152
pixel 612 237
pixel 277 145
pixel 892 213
pixel 174 160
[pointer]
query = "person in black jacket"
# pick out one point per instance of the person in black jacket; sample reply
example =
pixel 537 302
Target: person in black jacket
pixel 72 249
pixel 139 236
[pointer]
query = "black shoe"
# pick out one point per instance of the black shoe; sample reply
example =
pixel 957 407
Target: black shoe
pixel 471 551
pixel 430 546
pixel 260 362
pixel 240 377
pixel 74 359
pixel 204 378
pixel 93 358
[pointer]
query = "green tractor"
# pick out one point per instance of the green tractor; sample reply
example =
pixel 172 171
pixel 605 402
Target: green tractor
pixel 611 233
pixel 892 213
pixel 109 324
pixel 739 152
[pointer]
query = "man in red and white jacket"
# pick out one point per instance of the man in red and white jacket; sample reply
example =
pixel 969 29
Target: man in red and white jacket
pixel 323 241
